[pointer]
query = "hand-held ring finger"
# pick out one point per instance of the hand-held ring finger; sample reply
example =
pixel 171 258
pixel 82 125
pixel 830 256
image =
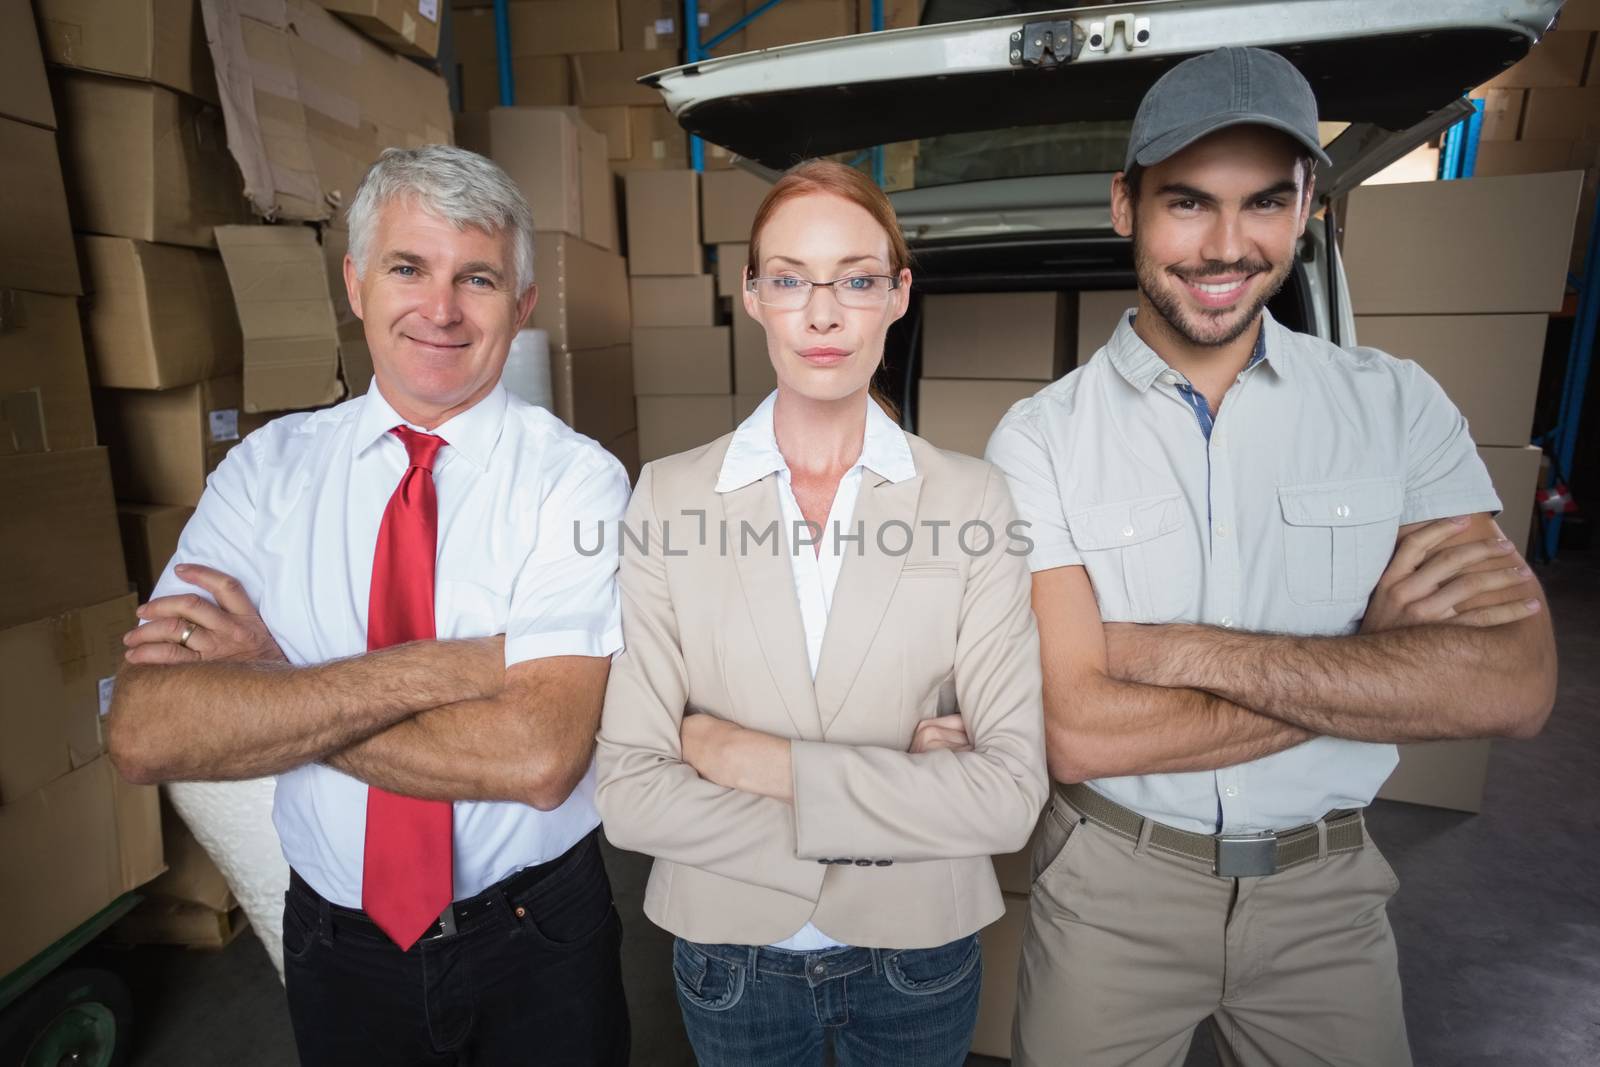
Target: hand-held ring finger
pixel 188 632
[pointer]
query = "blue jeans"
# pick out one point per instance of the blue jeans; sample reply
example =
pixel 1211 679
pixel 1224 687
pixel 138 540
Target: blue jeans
pixel 750 1006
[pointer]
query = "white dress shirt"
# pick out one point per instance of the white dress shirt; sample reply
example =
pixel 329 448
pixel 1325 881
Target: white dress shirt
pixel 293 513
pixel 1278 516
pixel 753 454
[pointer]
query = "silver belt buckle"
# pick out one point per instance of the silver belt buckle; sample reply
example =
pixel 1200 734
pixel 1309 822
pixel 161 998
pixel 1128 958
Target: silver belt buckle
pixel 1246 855
pixel 444 925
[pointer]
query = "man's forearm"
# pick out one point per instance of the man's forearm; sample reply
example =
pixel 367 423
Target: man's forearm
pixel 225 721
pixel 1416 683
pixel 530 743
pixel 1114 728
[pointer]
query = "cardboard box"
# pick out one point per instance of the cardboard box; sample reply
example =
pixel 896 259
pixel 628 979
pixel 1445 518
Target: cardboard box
pixel 546 27
pixel 729 200
pixel 165 442
pixel 538 147
pixel 744 405
pixel 677 360
pixel 409 27
pixel 663 211
pixel 157 316
pixel 1406 250
pixel 61 551
pixel 114 830
pixel 24 92
pixel 593 390
pixel 1562 114
pixel 730 263
pixel 150 539
pixel 959 414
pixel 58 671
pixel 34 227
pixel 997 1000
pixel 794 21
pixel 146 162
pixel 1498 158
pixel 897 15
pixel 44 383
pixel 1488 365
pixel 752 364
pixel 162 41
pixel 997 335
pixel 657 142
pixel 599 190
pixel 1515 474
pixel 1558 59
pixel 672 424
pixel 191 876
pixel 291 339
pixel 1579 15
pixel 160 920
pixel 583 293
pixel 1099 313
pixel 1502 114
pixel 605 79
pixel 613 124
pixel 673 300
pixel 537 80
pixel 657 24
pixel 311 101
pixel 626 449
pixel 355 357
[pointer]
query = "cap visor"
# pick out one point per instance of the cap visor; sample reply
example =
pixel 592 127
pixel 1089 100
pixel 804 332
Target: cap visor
pixel 1171 143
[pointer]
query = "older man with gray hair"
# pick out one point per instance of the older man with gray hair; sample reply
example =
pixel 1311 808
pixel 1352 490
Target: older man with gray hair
pixel 384 605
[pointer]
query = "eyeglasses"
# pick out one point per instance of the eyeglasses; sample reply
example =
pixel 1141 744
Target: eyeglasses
pixel 857 291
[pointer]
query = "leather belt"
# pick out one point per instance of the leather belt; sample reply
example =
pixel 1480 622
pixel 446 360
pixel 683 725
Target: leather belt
pixel 1228 855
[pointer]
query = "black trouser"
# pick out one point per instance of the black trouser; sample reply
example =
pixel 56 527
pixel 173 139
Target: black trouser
pixel 533 975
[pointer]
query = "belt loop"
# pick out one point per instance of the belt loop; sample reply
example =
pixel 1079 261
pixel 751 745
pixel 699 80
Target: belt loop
pixel 755 971
pixel 1146 828
pixel 1322 839
pixel 324 920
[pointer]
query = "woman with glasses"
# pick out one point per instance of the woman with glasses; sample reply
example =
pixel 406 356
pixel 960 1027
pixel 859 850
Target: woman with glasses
pixel 827 715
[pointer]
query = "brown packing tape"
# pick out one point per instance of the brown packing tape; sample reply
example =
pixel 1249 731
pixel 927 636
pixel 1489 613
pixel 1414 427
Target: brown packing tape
pixel 22 421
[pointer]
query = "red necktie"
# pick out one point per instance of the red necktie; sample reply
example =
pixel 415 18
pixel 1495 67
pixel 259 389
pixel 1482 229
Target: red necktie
pixel 406 876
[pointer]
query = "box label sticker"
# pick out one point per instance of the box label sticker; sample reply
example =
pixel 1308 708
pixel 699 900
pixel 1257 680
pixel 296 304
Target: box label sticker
pixel 106 687
pixel 225 425
pixel 664 27
pixel 428 9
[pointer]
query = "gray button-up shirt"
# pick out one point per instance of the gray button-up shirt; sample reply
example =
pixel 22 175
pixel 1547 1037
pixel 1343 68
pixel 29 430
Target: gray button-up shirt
pixel 1279 517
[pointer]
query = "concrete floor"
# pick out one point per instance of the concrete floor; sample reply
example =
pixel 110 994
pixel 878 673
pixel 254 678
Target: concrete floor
pixel 1498 918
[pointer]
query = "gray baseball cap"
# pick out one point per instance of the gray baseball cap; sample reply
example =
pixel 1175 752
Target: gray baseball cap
pixel 1229 87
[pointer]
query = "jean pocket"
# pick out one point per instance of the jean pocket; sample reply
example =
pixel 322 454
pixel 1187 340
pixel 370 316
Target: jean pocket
pixel 301 928
pixel 705 981
pixel 922 972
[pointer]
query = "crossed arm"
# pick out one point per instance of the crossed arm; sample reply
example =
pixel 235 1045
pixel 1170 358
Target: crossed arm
pixel 1456 643
pixel 442 720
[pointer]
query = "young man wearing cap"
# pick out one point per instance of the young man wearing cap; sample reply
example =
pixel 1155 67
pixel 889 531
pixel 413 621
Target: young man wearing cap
pixel 1259 561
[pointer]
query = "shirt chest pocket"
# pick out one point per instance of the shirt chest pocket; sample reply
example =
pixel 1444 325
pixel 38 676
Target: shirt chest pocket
pixel 1338 537
pixel 1140 557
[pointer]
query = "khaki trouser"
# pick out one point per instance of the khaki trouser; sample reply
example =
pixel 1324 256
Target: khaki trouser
pixel 1126 950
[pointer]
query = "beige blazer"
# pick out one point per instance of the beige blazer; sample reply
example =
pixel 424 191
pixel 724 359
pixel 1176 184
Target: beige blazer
pixel 909 636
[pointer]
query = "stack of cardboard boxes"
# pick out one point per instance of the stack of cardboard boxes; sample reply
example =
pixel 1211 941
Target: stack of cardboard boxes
pixel 73 834
pixel 590 53
pixel 1471 305
pixel 559 162
pixel 982 352
pixel 1543 113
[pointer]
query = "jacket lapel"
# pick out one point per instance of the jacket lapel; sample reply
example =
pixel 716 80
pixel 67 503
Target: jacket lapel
pixel 866 582
pixel 767 576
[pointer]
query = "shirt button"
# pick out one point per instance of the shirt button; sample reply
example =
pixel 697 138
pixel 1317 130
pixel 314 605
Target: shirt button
pixel 1343 511
pixel 1231 791
pixel 1222 529
pixel 1127 531
pixel 1170 377
pixel 1227 622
